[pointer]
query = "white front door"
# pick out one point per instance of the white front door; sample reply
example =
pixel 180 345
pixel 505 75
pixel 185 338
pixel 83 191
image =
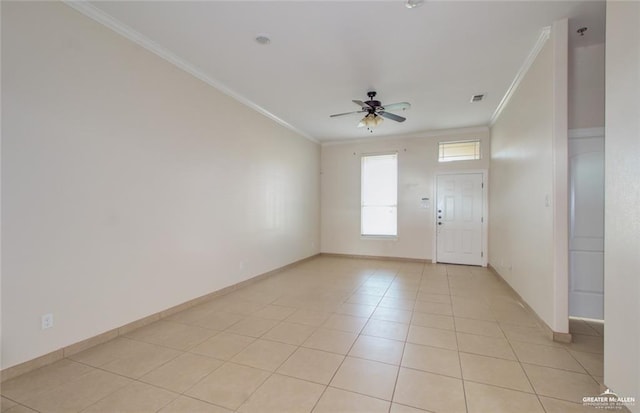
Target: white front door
pixel 459 218
pixel 586 227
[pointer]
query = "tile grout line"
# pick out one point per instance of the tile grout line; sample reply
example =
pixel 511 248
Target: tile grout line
pixel 523 369
pixel 455 333
pixel 347 353
pixel 404 346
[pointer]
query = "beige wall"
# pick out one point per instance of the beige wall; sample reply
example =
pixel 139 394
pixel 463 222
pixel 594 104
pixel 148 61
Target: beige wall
pixel 622 202
pixel 417 168
pixel 586 86
pixel 523 195
pixel 129 186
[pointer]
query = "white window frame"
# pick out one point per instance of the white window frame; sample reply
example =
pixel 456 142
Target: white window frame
pixel 478 141
pixel 362 205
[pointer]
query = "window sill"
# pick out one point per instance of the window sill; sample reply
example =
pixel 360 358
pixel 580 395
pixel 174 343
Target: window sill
pixel 379 237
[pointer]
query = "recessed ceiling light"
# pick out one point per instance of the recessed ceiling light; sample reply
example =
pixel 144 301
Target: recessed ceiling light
pixel 263 39
pixel 412 4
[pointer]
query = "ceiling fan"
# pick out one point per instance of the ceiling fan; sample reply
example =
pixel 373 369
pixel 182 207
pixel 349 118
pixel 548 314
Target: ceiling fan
pixel 376 111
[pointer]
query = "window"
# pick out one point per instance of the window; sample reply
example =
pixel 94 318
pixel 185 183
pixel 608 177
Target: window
pixel 379 197
pixel 459 151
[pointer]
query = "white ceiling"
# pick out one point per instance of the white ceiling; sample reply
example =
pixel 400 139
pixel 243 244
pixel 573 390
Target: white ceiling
pixel 323 54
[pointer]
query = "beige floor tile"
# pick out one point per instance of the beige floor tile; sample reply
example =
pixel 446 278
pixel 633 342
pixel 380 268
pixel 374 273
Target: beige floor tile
pixel 392 314
pixel 378 349
pixel 127 357
pixel 533 335
pixel 598 326
pixel 406 292
pixel 289 333
pixel 434 298
pixel 78 393
pixel 483 399
pixel 498 372
pixel 181 373
pixel 312 365
pixel 432 359
pixel 21 409
pixel 345 323
pixel 516 316
pixel 433 337
pixel 264 354
pixel 466 309
pixel 433 308
pixel 274 312
pixel 280 394
pixel 214 320
pixel 134 398
pixel 479 327
pixel 588 344
pixel 333 341
pixel 561 384
pixel 337 400
pixel 400 408
pixel 366 377
pixel 428 391
pixel 252 326
pixel 171 334
pixel 581 327
pixel 386 329
pixel 372 290
pixel 546 356
pixel 356 310
pixel 229 386
pixel 44 379
pixel 364 299
pixel 432 320
pixel 6 404
pixel 592 362
pixel 561 406
pixel 309 317
pixel 486 346
pixel 185 404
pixel 223 346
pixel 229 304
pixel 399 303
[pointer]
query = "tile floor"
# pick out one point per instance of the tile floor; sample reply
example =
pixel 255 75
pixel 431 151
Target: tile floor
pixel 332 335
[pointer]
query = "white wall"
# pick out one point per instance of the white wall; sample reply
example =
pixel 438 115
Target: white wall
pixel 129 186
pixel 523 194
pixel 622 201
pixel 417 168
pixel 586 86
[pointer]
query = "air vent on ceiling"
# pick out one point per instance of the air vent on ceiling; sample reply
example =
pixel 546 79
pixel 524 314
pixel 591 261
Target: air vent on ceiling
pixel 477 98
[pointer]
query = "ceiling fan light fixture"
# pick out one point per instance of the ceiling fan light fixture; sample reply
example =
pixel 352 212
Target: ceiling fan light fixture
pixel 371 120
pixel 412 4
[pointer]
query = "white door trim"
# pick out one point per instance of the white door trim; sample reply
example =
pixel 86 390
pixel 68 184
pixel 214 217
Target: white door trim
pixel 485 211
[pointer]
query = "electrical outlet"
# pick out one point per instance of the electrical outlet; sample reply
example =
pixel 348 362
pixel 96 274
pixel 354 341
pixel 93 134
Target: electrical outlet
pixel 47 321
pixel 241 266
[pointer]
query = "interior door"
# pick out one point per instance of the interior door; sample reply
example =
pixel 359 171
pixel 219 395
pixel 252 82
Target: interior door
pixel 586 227
pixel 459 218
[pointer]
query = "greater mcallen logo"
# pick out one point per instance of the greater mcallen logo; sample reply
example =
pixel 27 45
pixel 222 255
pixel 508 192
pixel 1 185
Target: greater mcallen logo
pixel 608 400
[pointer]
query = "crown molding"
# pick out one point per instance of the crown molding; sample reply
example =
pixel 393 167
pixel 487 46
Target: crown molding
pixel 418 135
pixel 89 10
pixel 545 33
